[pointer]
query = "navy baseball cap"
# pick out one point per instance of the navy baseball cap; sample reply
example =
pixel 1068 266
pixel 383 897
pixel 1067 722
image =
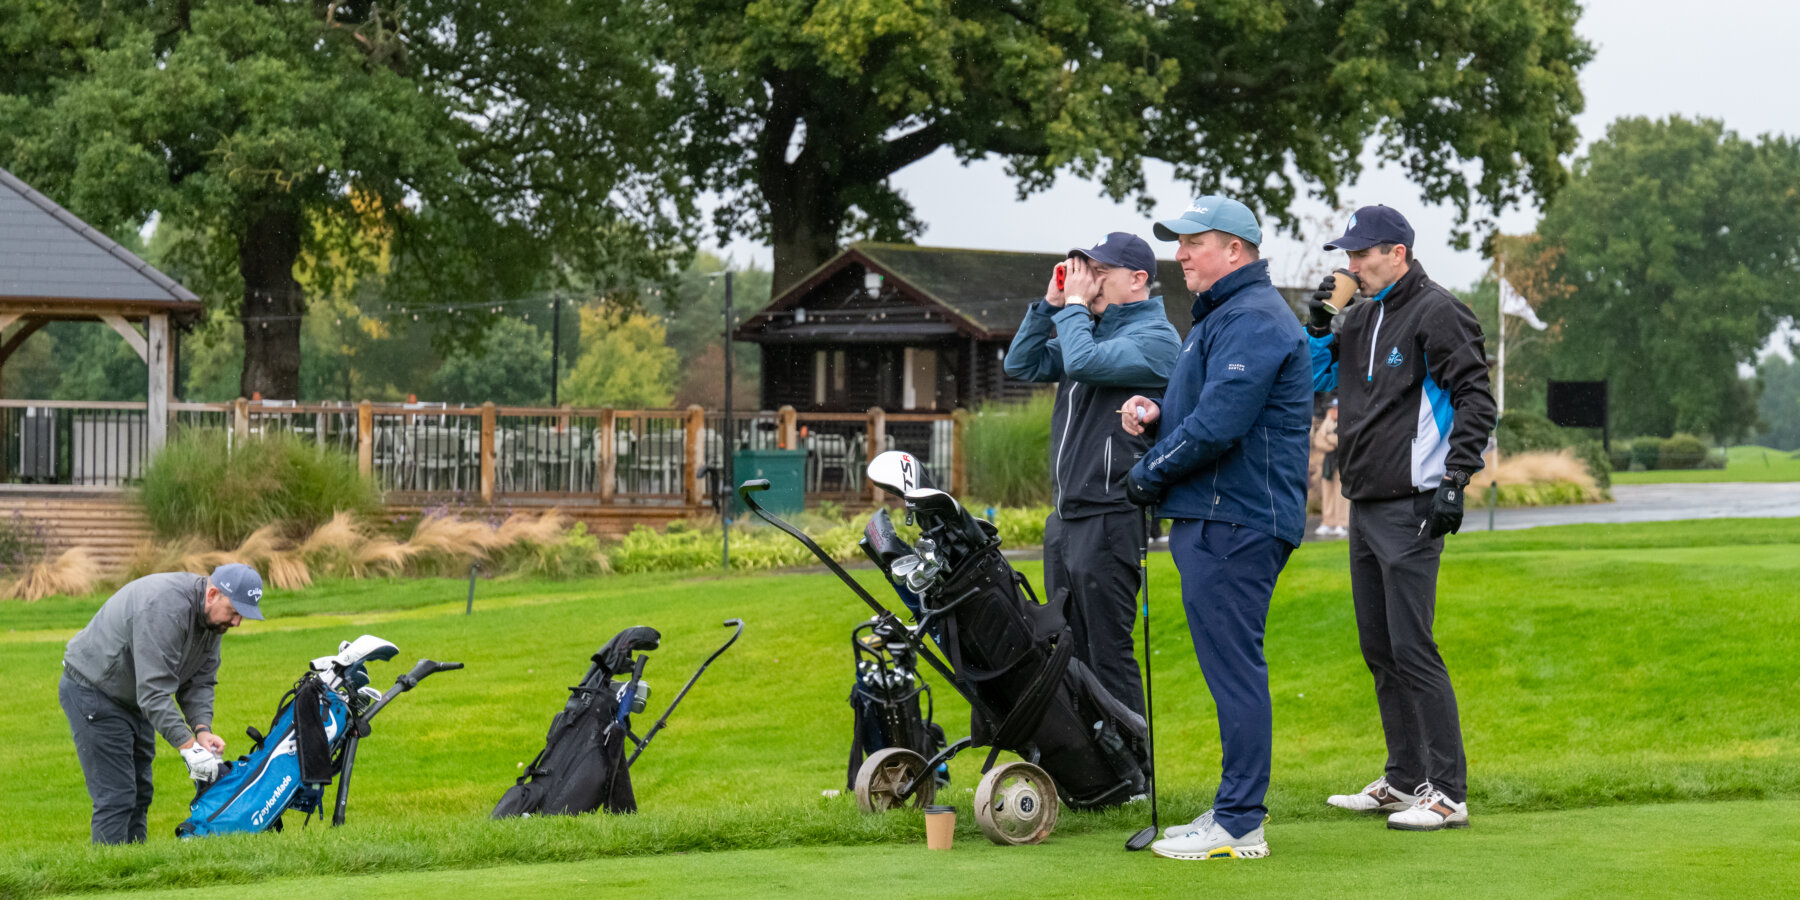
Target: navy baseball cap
pixel 1212 213
pixel 242 586
pixel 1123 250
pixel 1373 225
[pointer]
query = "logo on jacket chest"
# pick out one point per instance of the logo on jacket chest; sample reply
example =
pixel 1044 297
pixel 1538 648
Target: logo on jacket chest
pixel 1394 358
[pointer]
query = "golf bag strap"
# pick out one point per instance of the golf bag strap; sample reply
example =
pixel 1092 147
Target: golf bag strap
pixel 856 734
pixel 1028 713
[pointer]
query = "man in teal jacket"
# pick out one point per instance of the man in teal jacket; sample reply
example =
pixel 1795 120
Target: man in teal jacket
pixel 1113 340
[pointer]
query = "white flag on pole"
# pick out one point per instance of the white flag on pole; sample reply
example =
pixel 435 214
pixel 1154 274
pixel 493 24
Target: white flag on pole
pixel 1513 304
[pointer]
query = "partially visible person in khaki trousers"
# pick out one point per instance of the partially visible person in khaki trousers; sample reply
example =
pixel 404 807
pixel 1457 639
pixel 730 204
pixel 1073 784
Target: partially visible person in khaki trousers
pixel 1334 510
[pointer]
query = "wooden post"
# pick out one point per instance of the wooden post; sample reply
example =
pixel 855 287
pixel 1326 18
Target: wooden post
pixel 959 469
pixel 787 429
pixel 608 449
pixel 157 360
pixel 696 454
pixel 877 443
pixel 240 419
pixel 487 452
pixel 365 438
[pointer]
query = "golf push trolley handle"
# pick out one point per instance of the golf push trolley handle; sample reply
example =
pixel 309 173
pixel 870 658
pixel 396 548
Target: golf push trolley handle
pixel 424 668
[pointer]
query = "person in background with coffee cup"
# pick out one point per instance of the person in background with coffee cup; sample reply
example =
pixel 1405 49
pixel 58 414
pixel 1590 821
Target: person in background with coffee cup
pixel 1414 413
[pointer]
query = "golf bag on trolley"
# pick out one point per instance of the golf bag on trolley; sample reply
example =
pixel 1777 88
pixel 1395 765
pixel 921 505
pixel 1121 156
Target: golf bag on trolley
pixel 891 705
pixel 311 742
pixel 1014 656
pixel 583 766
pixel 1009 655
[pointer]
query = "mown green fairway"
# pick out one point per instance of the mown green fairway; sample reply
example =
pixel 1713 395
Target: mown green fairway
pixel 1742 463
pixel 1596 666
pixel 1749 849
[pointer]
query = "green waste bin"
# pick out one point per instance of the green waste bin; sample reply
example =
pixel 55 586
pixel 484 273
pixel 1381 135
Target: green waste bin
pixel 786 471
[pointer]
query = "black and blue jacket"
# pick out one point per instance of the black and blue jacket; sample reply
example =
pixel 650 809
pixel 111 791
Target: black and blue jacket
pixel 1234 420
pixel 1412 381
pixel 1097 364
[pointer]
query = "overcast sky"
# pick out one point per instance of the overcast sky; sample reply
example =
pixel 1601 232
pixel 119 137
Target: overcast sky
pixel 1724 59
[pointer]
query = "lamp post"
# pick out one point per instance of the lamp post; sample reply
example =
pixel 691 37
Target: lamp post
pixel 728 442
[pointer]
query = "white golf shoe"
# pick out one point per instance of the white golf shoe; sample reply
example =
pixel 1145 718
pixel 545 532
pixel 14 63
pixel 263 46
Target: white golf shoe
pixel 1199 824
pixel 1430 812
pixel 1212 842
pixel 1379 796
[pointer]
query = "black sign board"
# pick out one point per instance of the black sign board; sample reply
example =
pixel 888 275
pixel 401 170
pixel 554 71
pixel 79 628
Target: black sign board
pixel 1577 404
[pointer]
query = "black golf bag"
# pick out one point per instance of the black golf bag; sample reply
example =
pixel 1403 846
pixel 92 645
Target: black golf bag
pixel 1013 657
pixel 582 767
pixel 886 700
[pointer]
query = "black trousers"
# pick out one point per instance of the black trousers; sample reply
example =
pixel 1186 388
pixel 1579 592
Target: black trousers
pixel 1095 558
pixel 115 746
pixel 1393 579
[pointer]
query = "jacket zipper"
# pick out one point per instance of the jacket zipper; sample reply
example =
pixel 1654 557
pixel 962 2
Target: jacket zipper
pixel 1109 465
pixel 1380 315
pixel 1064 445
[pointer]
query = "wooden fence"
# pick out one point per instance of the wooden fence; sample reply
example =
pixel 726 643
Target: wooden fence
pixel 417 452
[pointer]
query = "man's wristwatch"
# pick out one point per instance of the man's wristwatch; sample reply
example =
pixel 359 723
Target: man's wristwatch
pixel 201 727
pixel 1457 475
pixel 1075 300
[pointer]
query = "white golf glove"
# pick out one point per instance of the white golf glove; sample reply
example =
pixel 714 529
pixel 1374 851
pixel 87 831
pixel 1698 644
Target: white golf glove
pixel 203 764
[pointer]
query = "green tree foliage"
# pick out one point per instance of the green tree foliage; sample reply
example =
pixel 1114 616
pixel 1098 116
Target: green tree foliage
pixel 799 111
pixel 511 366
pixel 1680 241
pixel 483 141
pixel 625 362
pixel 1778 407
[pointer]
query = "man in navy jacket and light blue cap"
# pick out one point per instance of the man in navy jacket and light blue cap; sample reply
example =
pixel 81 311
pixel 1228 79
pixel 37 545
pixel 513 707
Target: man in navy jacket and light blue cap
pixel 1229 467
pixel 153 646
pixel 1113 340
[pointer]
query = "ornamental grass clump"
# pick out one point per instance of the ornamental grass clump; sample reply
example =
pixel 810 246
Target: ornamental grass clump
pixel 72 573
pixel 222 488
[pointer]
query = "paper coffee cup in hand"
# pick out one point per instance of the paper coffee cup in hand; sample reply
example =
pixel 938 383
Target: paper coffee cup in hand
pixel 1344 285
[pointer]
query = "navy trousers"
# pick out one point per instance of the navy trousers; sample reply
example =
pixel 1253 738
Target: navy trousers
pixel 1227 577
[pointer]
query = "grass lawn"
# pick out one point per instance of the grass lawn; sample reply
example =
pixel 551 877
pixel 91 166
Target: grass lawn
pixel 1580 853
pixel 1605 673
pixel 1742 463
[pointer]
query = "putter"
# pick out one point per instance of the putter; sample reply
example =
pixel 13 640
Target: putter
pixel 1147 836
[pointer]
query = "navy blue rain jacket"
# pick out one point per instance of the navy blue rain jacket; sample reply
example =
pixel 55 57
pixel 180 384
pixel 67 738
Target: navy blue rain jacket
pixel 1232 438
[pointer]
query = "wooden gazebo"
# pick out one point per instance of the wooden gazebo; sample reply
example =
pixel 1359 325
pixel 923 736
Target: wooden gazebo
pixel 55 267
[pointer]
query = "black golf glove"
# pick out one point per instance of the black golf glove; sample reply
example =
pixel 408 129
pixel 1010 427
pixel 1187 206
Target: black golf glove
pixel 1318 322
pixel 1140 493
pixel 1447 504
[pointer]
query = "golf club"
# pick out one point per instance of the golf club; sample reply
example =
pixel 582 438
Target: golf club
pixel 1147 836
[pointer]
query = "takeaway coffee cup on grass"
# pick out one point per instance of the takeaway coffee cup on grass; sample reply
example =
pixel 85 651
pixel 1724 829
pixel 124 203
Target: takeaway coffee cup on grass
pixel 940 826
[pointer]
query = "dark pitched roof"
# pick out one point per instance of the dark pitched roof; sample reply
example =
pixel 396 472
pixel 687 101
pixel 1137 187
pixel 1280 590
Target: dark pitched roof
pixel 48 254
pixel 991 288
pixel 982 293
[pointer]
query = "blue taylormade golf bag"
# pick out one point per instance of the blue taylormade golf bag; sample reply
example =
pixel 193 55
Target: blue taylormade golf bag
pixel 312 740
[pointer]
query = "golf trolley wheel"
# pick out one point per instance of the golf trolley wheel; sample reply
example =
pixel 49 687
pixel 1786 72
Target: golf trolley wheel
pixel 1016 804
pixel 884 773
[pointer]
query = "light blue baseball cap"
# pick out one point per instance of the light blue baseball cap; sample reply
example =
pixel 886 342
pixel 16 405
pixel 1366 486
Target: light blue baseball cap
pixel 1212 212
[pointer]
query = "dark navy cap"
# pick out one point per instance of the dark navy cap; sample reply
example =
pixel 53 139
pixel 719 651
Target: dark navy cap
pixel 1373 225
pixel 1122 249
pixel 242 586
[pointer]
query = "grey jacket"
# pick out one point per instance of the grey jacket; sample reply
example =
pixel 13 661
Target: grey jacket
pixel 149 648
